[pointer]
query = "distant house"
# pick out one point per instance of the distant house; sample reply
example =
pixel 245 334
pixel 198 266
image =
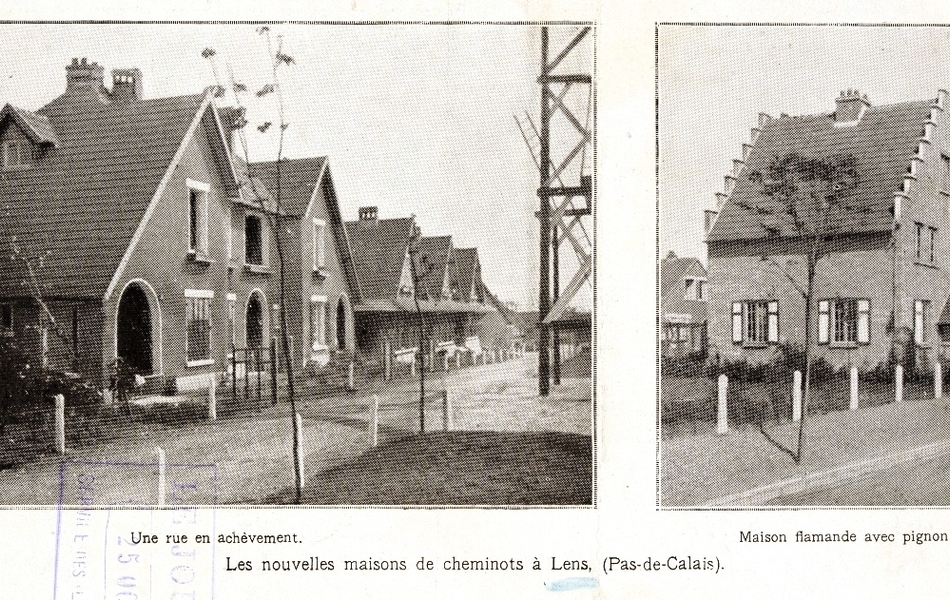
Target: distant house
pixel 146 241
pixel 683 294
pixel 387 322
pixel 881 294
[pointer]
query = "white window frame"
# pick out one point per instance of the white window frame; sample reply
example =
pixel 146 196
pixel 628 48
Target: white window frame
pixel 198 247
pixel 318 327
pixel 199 295
pixel 12 153
pixel 744 310
pixel 695 288
pixel 318 240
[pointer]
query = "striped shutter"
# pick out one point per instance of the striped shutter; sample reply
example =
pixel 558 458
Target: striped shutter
pixel 737 322
pixel 823 321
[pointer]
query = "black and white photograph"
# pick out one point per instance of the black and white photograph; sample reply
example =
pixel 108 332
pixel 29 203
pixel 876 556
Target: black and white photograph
pixel 297 264
pixel 804 297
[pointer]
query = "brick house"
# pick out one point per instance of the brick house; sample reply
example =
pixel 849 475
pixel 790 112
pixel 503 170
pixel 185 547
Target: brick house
pixel 683 293
pixel 882 290
pixel 386 318
pixel 153 247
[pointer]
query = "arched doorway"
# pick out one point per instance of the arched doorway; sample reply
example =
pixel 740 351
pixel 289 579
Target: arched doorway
pixel 254 321
pixel 341 323
pixel 134 330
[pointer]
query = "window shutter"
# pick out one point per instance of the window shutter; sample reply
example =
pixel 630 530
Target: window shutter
pixel 773 321
pixel 864 318
pixel 919 321
pixel 823 322
pixel 736 322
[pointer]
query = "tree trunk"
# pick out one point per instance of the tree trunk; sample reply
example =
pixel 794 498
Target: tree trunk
pixel 808 352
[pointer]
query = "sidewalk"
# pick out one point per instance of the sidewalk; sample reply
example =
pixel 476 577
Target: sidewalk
pixel 698 469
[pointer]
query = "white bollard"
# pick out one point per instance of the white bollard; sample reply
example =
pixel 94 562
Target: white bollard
pixel 60 424
pixel 722 418
pixel 898 383
pixel 351 379
pixel 302 453
pixel 797 396
pixel 938 381
pixel 212 401
pixel 853 405
pixel 446 411
pixel 160 454
pixel 374 422
pixel 458 359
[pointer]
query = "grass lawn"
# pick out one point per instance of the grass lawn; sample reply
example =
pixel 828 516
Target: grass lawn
pixel 460 468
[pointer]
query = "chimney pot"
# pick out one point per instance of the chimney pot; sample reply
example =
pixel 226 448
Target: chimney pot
pixel 850 107
pixel 368 213
pixel 83 74
pixel 126 85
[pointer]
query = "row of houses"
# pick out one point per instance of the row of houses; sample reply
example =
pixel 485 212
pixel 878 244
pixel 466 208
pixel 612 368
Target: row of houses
pixel 132 231
pixel 882 288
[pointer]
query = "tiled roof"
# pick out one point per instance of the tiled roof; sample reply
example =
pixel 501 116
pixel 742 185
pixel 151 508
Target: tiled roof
pixel 79 205
pixel 882 142
pixel 672 271
pixel 379 250
pixel 298 177
pixel 435 252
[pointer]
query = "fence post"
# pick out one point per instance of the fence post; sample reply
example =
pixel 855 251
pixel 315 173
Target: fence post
pixel 898 383
pixel 60 424
pixel 212 400
pixel 273 370
pixel 300 455
pixel 853 405
pixel 722 417
pixel 387 360
pixel 374 422
pixel 351 378
pixel 161 475
pixel 458 359
pixel 233 374
pixel 938 381
pixel 797 396
pixel 446 411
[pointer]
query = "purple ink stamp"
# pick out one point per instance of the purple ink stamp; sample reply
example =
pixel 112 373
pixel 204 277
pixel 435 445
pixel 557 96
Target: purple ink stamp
pixel 135 530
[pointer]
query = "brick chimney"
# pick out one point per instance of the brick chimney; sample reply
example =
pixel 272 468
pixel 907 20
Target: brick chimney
pixel 83 74
pixel 850 106
pixel 369 213
pixel 126 85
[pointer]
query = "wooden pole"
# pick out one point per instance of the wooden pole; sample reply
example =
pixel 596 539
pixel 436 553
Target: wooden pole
pixel 898 383
pixel 446 411
pixel 387 359
pixel 854 389
pixel 160 454
pixel 273 370
pixel 212 401
pixel 374 422
pixel 722 416
pixel 60 424
pixel 797 396
pixel 233 374
pixel 301 454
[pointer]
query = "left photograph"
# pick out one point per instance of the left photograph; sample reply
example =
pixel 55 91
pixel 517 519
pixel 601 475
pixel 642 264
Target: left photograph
pixel 232 259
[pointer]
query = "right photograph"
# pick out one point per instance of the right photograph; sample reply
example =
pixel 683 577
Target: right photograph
pixel 804 266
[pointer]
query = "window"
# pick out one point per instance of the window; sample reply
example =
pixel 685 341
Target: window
pixel 319 244
pixel 6 319
pixel 844 321
pixel 232 314
pixel 945 172
pixel 253 241
pixel 197 219
pixel 198 340
pixel 318 339
pixel 14 155
pixel 695 288
pixel 755 322
pixel 921 321
pixel 926 237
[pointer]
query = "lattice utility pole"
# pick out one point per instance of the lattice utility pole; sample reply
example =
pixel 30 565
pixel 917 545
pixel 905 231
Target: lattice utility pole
pixel 560 218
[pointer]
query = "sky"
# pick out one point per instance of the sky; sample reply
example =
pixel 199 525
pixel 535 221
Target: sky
pixel 415 119
pixel 713 81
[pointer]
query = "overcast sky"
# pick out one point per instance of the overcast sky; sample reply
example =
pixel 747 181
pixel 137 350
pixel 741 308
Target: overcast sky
pixel 714 80
pixel 415 119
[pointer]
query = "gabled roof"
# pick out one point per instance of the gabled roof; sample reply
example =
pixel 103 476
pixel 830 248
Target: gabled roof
pixel 882 142
pixel 435 253
pixel 81 203
pixel 466 271
pixel 298 183
pixel 672 270
pixel 379 250
pixel 36 127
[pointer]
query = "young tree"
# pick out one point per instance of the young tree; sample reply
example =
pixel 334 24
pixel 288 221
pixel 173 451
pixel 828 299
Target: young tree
pixel 270 201
pixel 807 201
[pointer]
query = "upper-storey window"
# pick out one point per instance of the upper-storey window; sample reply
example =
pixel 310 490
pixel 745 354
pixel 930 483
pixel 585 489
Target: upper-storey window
pixel 695 288
pixel 926 239
pixel 319 244
pixel 253 240
pixel 15 154
pixel 197 218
